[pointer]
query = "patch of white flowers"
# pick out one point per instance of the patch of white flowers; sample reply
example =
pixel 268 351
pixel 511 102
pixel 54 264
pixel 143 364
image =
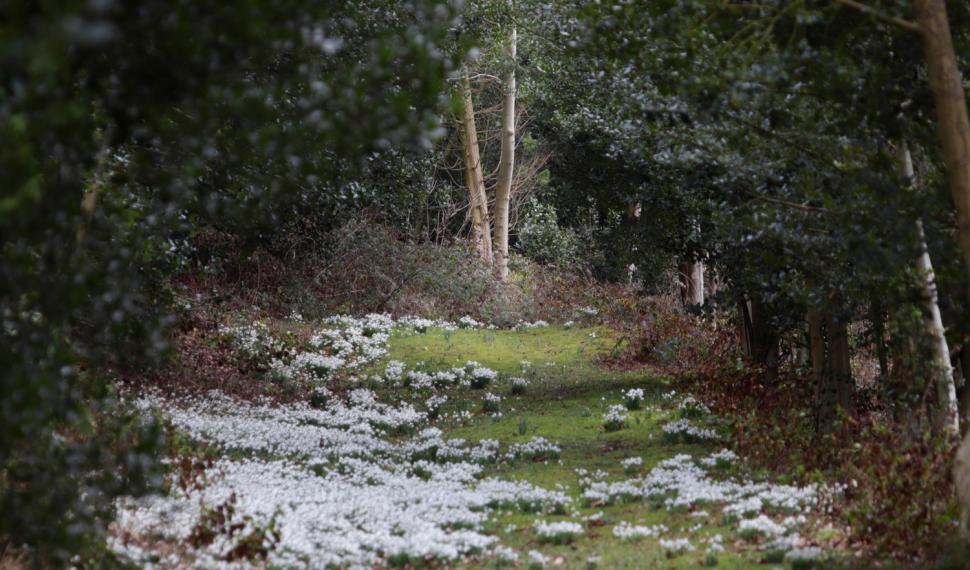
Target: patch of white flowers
pixel 614 418
pixel 676 545
pixel 537 448
pixel 629 531
pixel 685 430
pixel 633 398
pixel 339 490
pixel 559 532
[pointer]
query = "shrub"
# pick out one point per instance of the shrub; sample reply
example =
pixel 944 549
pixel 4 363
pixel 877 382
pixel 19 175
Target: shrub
pixel 542 239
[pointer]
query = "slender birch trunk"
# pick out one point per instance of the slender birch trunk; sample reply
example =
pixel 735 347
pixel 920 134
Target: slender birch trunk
pixel 947 408
pixel 695 290
pixel 474 178
pixel 503 190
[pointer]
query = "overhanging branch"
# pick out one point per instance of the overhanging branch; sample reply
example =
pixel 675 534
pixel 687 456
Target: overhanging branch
pixel 870 11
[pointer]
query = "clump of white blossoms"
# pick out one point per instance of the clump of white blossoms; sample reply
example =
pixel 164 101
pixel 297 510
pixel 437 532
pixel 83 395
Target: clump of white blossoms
pixel 480 376
pixel 675 546
pixel 632 464
pixel 394 371
pixel 629 531
pixel 722 459
pixel 691 407
pixel 467 322
pixel 804 554
pixel 491 403
pixel 615 417
pixel 684 430
pixel 537 449
pixel 519 385
pixel 533 325
pixel 681 483
pixel 760 527
pixel 633 399
pixel 434 404
pixel 560 532
pixel 254 341
pixel 537 559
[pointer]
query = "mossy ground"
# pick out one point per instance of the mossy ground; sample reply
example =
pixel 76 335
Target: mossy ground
pixel 565 402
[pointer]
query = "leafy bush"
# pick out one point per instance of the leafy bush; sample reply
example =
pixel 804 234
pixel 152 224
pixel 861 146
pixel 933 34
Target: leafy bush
pixel 542 239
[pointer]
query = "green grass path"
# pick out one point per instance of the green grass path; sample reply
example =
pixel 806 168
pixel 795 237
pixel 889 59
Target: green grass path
pixel 565 402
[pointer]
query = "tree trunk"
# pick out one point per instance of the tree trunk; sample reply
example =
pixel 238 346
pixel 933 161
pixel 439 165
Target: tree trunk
pixel 503 190
pixel 946 409
pixel 695 291
pixel 474 178
pixel 949 99
pixel 816 346
pixel 758 342
pixel 879 338
pixel 691 283
pixel 835 387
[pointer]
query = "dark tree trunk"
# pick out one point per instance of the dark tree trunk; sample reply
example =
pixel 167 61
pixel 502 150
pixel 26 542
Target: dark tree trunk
pixel 758 341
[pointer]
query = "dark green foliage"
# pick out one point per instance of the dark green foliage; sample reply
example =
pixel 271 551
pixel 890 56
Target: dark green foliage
pixel 164 117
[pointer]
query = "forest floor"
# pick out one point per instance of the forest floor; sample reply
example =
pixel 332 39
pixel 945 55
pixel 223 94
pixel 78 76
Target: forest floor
pixel 471 447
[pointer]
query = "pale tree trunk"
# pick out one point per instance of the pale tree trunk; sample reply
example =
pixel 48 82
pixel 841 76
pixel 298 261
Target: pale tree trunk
pixel 503 191
pixel 691 282
pixel 695 291
pixel 474 178
pixel 947 409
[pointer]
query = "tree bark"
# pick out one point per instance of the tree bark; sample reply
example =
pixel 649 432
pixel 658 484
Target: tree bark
pixel 835 387
pixel 816 344
pixel 946 409
pixel 691 282
pixel 949 99
pixel 758 342
pixel 879 338
pixel 474 178
pixel 503 190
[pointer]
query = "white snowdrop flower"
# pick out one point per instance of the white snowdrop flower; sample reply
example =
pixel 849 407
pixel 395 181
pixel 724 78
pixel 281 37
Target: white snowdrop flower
pixel 629 531
pixel 633 398
pixel 568 324
pixel 559 532
pixel 760 526
pixel 725 457
pixel 632 462
pixel 676 545
pixel 505 553
pixel 537 557
pixel 684 429
pixel 715 544
pixel 394 371
pixel 614 418
pixel 469 323
pixel 692 407
pixel 804 553
pixel 536 448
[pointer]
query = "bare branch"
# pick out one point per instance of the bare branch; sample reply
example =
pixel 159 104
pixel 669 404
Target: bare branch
pixel 869 10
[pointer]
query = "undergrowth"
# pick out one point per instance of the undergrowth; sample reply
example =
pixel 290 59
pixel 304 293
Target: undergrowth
pixel 893 491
